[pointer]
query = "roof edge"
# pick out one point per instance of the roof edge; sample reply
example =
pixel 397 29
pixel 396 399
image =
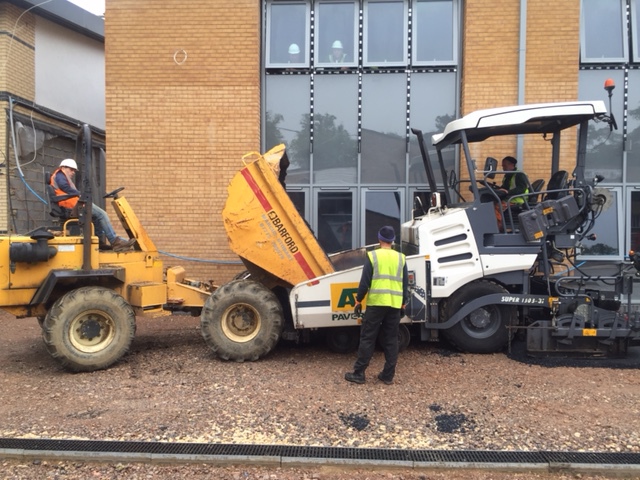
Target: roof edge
pixel 66 14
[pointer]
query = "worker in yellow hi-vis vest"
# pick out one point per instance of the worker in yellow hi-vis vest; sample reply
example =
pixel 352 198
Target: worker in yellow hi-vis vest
pixel 384 282
pixel 514 181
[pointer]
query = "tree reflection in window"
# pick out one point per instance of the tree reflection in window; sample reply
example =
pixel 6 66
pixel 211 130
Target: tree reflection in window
pixel 335 151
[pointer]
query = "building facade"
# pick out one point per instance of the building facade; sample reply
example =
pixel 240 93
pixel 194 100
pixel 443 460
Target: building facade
pixel 192 88
pixel 51 82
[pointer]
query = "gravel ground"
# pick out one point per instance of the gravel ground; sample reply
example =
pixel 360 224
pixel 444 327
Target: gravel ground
pixel 170 388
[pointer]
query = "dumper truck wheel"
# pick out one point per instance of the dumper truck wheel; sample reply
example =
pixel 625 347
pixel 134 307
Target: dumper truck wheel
pixel 242 321
pixel 89 329
pixel 485 329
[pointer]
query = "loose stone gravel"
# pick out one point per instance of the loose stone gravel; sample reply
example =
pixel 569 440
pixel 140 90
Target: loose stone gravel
pixel 170 388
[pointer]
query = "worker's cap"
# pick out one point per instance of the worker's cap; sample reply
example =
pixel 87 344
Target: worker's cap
pixel 387 234
pixel 294 48
pixel 510 159
pixel 69 162
pixel 337 44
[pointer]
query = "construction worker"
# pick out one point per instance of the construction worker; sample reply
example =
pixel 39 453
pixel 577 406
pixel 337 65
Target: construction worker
pixel 294 53
pixel 384 282
pixel 514 181
pixel 62 182
pixel 337 54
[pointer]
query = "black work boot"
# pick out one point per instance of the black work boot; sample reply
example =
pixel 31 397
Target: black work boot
pixel 354 377
pixel 384 380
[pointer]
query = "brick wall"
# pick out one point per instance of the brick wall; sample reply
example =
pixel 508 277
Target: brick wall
pixel 17 57
pixel 182 107
pixel 183 103
pixel 491 47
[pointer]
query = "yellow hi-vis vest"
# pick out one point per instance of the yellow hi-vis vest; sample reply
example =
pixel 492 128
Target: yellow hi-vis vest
pixel 512 185
pixel 386 282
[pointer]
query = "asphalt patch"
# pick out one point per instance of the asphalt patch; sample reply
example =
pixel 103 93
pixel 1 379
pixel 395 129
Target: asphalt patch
pixel 453 422
pixel 354 420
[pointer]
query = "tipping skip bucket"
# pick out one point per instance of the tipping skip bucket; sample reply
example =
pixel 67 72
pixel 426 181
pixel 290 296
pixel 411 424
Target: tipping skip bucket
pixel 265 228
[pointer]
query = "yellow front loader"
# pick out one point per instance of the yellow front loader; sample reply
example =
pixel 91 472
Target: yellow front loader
pixel 86 298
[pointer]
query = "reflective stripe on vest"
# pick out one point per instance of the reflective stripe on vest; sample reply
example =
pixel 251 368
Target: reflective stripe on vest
pixel 512 185
pixel 386 282
pixel 69 202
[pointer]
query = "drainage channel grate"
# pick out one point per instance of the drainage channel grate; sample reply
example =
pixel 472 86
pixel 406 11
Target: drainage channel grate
pixel 310 452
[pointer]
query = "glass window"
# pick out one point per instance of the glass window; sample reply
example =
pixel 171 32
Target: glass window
pixel 603 31
pixel 434 40
pixel 385 33
pixel 635 223
pixel 299 199
pixel 606 228
pixel 287 121
pixel 381 208
pixel 438 92
pixel 604 149
pixel 336 28
pixel 635 23
pixel 335 221
pixel 384 126
pixel 335 129
pixel 287 33
pixel 633 127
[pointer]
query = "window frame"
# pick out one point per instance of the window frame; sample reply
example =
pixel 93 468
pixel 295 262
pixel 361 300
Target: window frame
pixel 635 37
pixel 455 40
pixel 353 191
pixel 624 34
pixel 405 35
pixel 318 37
pixel 306 49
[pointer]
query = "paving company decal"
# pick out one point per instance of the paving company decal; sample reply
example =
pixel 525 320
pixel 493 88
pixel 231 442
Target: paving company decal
pixel 343 300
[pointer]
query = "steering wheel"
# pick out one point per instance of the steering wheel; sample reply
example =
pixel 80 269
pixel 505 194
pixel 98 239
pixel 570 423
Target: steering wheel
pixel 114 193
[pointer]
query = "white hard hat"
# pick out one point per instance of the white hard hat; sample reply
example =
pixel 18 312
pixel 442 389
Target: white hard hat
pixel 69 162
pixel 337 44
pixel 294 48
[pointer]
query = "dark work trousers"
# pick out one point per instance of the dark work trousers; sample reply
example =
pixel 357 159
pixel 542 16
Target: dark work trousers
pixel 384 320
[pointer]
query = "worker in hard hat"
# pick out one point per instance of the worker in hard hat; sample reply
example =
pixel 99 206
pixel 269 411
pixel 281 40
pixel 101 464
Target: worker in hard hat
pixel 294 53
pixel 337 54
pixel 62 182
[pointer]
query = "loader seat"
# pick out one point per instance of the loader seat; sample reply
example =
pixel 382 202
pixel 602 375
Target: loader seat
pixel 55 210
pixel 536 188
pixel 557 185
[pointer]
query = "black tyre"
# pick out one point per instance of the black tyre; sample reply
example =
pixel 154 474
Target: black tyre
pixel 485 329
pixel 342 339
pixel 89 329
pixel 242 320
pixel 404 338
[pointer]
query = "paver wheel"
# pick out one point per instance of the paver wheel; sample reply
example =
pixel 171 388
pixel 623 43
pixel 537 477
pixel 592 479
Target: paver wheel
pixel 485 329
pixel 342 339
pixel 242 320
pixel 404 338
pixel 89 328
